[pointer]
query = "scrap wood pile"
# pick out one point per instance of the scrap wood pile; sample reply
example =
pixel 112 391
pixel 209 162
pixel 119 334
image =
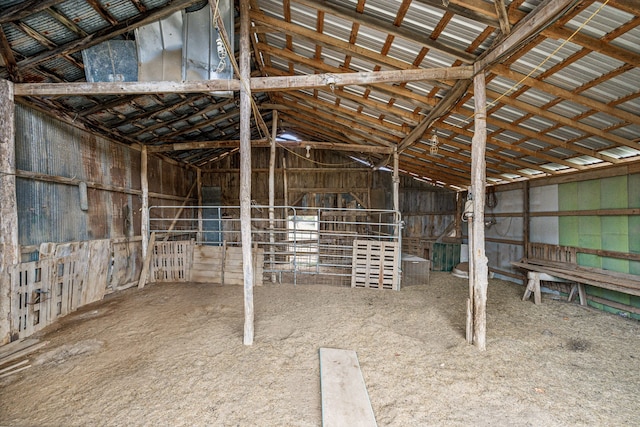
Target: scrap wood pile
pixel 14 356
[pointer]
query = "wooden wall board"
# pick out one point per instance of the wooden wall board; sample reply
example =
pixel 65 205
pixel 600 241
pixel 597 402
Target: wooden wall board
pixel 126 266
pixel 223 264
pixel 345 401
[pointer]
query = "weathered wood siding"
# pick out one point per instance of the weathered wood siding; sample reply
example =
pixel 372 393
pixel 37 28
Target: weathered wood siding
pixel 428 212
pixel 304 176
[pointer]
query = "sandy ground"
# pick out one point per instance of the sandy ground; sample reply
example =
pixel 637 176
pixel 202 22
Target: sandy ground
pixel 172 355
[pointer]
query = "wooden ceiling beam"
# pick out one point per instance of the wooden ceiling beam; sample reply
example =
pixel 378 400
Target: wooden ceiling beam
pixel 475 10
pixel 264 143
pixel 9 58
pixel 527 28
pixel 258 84
pixel 503 17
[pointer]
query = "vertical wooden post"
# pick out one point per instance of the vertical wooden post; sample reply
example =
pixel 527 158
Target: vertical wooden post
pixel 9 247
pixel 285 183
pixel 478 177
pixel 526 209
pixel 144 218
pixel 272 194
pixel 469 334
pixel 199 190
pixel 396 181
pixel 245 169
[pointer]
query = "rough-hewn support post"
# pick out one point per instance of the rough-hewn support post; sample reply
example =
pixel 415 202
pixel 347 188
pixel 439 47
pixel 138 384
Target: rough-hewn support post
pixel 396 181
pixel 199 189
pixel 478 177
pixel 9 247
pixel 526 218
pixel 245 169
pixel 144 217
pixel 272 193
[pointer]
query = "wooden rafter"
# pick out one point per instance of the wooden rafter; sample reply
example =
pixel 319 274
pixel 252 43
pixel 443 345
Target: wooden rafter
pixel 9 57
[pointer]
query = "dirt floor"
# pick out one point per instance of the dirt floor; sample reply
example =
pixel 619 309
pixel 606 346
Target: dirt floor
pixel 172 355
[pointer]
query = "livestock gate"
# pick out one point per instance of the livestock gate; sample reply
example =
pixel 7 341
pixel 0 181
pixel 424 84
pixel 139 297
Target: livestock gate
pixel 338 246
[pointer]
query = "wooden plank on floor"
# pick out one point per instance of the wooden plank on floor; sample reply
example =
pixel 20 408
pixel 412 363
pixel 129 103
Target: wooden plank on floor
pixel 345 401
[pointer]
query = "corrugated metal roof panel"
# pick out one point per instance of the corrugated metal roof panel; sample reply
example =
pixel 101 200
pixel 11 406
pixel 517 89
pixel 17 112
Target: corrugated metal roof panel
pixel 602 20
pixel 404 50
pixel 568 109
pixel 83 15
pixel 536 97
pixel 542 57
pixel 303 16
pixel 50 28
pixel 600 120
pixel 21 42
pixel 120 9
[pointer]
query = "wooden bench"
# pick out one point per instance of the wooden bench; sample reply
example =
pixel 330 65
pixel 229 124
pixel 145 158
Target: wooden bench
pixel 561 262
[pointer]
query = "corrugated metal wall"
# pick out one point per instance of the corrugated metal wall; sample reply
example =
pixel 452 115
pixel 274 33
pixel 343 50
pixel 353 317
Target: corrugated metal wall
pixel 50 211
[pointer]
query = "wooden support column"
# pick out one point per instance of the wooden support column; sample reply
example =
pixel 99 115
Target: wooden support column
pixel 245 169
pixel 272 193
pixel 9 247
pixel 144 218
pixel 526 209
pixel 396 185
pixel 199 190
pixel 478 176
pixel 285 181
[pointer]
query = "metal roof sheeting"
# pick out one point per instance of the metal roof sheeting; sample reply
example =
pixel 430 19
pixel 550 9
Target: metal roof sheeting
pixel 526 124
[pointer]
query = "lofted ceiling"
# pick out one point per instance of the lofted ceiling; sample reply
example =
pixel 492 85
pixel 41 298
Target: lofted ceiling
pixel 564 98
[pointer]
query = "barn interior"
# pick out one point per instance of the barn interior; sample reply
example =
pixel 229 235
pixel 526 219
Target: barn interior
pixel 266 168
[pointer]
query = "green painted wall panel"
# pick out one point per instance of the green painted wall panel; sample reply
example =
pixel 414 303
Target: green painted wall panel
pixel 588 260
pixel 569 227
pixel 614 233
pixel 590 232
pixel 634 234
pixel 634 191
pixel 614 193
pixel 613 264
pixel 568 196
pixel 589 194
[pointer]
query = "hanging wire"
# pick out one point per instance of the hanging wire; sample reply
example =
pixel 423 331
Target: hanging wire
pixel 315 161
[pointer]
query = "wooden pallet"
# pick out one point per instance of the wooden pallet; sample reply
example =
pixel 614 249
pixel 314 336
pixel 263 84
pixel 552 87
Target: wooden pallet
pixel 171 261
pixel 375 265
